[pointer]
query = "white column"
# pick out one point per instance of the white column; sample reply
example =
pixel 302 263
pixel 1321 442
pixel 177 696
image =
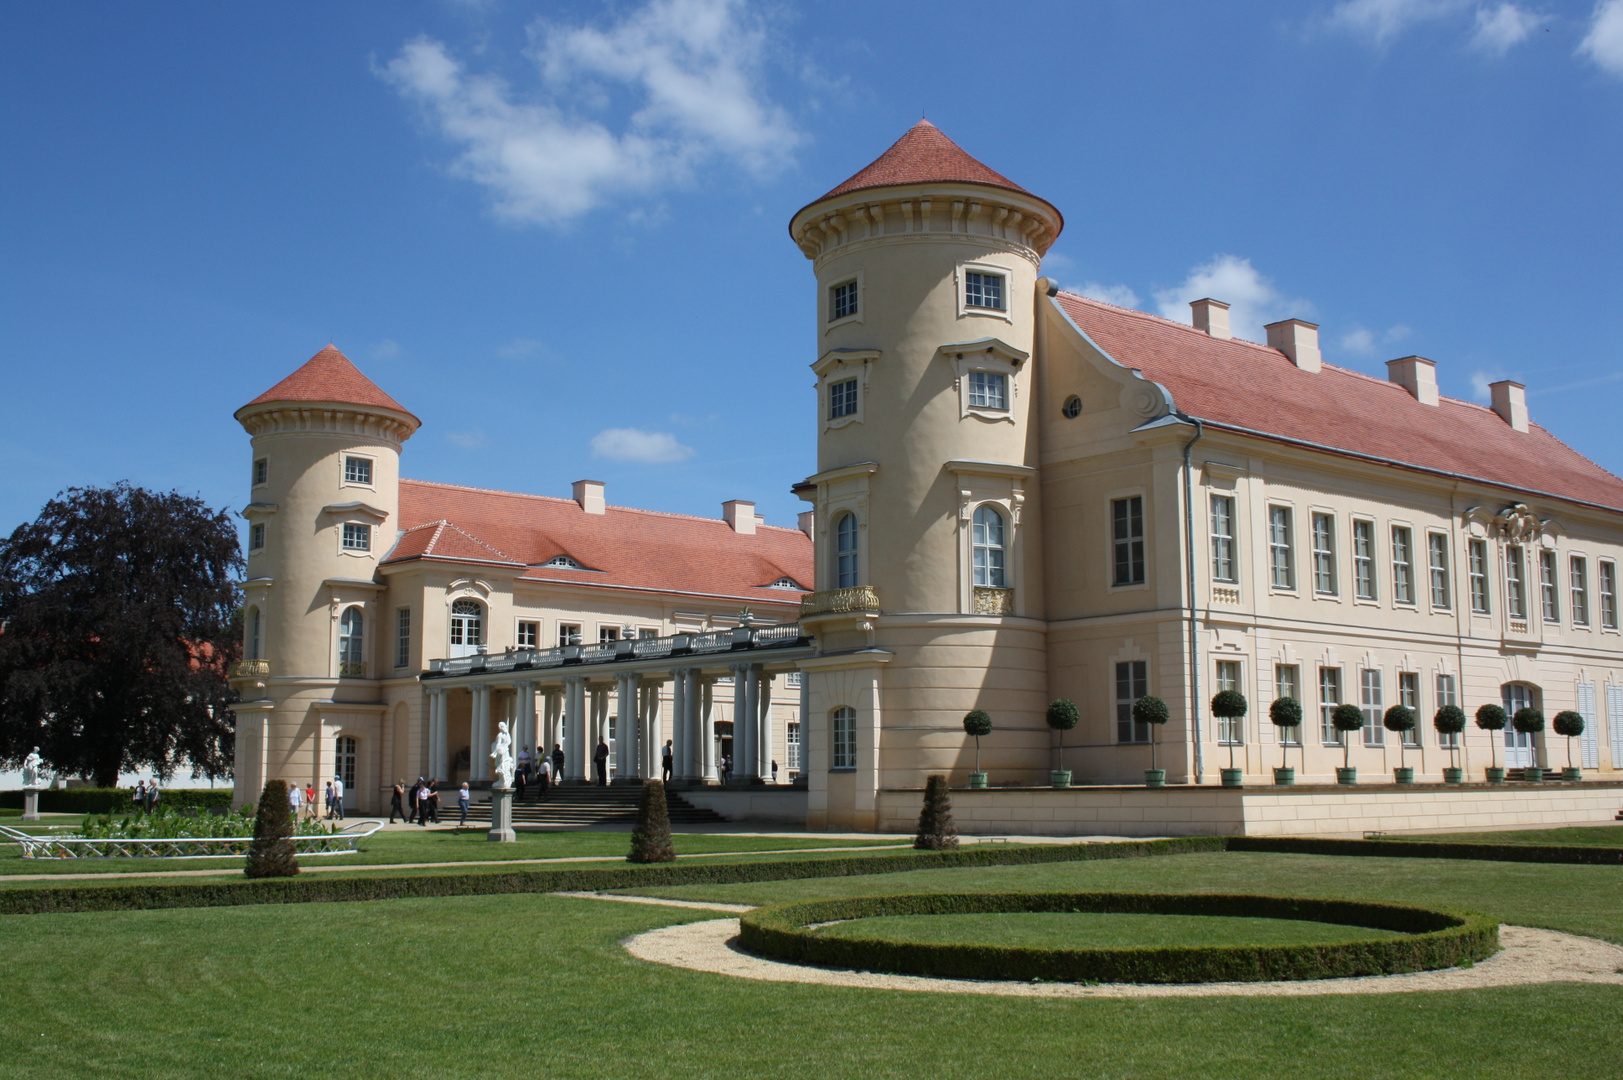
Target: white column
pixel 479 743
pixel 741 712
pixel 628 762
pixel 576 756
pixel 805 724
pixel 652 730
pixel 763 740
pixel 746 727
pixel 694 765
pixel 552 737
pixel 525 739
pixel 707 729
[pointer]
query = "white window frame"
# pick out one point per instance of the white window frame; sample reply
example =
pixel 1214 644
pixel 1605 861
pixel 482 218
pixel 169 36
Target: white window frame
pixel 1330 693
pixel 1515 568
pixel 1476 564
pixel 1448 693
pixel 371 462
pixel 842 743
pixel 527 633
pixel 256 536
pixel 568 634
pixel 1409 694
pixel 1578 587
pixel 261 473
pixel 990 387
pixel 1229 675
pixel 838 366
pixel 1281 557
pixel 989 554
pixel 1288 686
pixel 402 637
pixel 346 763
pixel 1366 584
pixel 830 320
pixel 1437 578
pixel 844 394
pixel 965 308
pixel 458 639
pixel 847 557
pixel 1549 585
pixel 1606 579
pixel 791 746
pixel 352 643
pixel 995 359
pixel 355 548
pixel 1130 544
pixel 1372 702
pixel 1225 566
pixel 1403 582
pixel 608 633
pixel 1323 540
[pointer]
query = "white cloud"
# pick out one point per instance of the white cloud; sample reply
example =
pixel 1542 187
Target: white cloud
pixel 1120 295
pixel 1253 301
pixel 468 440
pixel 645 447
pixel 1604 42
pixel 1362 340
pixel 1480 381
pixel 386 349
pixel 523 349
pixel 1500 28
pixel 689 67
pixel 1382 20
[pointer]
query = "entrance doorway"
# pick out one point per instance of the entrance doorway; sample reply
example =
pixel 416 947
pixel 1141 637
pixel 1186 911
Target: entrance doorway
pixel 1520 750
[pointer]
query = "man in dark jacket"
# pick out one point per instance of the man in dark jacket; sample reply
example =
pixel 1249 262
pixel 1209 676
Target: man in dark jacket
pixel 600 762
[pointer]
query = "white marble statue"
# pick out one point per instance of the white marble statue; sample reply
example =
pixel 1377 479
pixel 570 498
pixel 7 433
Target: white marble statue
pixel 501 757
pixel 34 774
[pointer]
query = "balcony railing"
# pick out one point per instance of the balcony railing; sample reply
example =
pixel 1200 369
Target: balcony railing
pixel 858 598
pixel 251 669
pixel 708 642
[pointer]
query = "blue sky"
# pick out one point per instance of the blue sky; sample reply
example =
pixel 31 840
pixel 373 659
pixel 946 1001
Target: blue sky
pixel 557 231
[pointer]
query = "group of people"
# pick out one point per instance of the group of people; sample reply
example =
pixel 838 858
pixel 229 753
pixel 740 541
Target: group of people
pixel 419 803
pixel 302 801
pixel 145 797
pixel 543 770
pixel 724 766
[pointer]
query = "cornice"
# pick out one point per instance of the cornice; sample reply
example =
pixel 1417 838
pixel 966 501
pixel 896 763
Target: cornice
pixel 1023 223
pixel 332 418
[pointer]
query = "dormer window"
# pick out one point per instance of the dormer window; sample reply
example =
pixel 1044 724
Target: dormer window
pixel 982 290
pixel 785 583
pixel 357 537
pixel 563 562
pixel 357 470
pixel 988 390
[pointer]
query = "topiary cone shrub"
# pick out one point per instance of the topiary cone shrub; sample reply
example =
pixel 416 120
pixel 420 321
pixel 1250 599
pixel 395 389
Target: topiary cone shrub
pixel 1450 720
pixel 977 722
pixel 1151 710
pixel 651 837
pixel 1347 719
pixel 1229 705
pixel 1062 716
pixel 1400 719
pixel 936 831
pixel 1491 717
pixel 1569 725
pixel 1286 714
pixel 272 853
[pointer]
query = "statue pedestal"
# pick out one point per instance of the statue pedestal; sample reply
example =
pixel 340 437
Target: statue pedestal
pixel 31 804
pixel 501 816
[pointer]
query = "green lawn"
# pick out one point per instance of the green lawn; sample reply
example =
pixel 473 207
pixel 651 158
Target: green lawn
pixel 1587 835
pixel 1094 930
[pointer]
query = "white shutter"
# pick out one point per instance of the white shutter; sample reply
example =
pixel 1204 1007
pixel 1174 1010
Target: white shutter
pixel 1614 716
pixel 1589 742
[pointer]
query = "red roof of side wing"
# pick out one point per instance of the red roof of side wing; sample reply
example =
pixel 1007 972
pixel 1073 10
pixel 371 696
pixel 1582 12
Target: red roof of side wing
pixel 1242 385
pixel 329 376
pixel 638 549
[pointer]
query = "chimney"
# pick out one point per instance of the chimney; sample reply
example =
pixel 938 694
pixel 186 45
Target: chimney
pixel 807 519
pixel 1510 402
pixel 1298 340
pixel 740 515
pixel 1417 375
pixel 589 493
pixel 1211 316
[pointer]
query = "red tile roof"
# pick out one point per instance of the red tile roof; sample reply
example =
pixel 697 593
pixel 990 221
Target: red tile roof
pixel 923 156
pixel 329 376
pixel 1242 385
pixel 638 549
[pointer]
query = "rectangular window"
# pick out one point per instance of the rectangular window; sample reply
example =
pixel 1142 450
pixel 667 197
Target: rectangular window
pixel 1447 694
pixel 647 633
pixel 1369 693
pixel 844 743
pixel 1364 559
pixel 1230 729
pixel 1478 569
pixel 1329 698
pixel 1515 583
pixel 1127 533
pixel 791 746
pixel 842 301
pixel 261 471
pixel 1324 554
pixel 1608 595
pixel 568 634
pixel 1409 694
pixel 842 399
pixel 357 537
pixel 1287 684
pixel 529 634
pixel 1223 568
pixel 1549 586
pixel 256 537
pixel 1578 577
pixel 606 634
pixel 1132 683
pixel 1402 566
pixel 357 470
pixel 402 637
pixel 983 290
pixel 1282 572
pixel 988 390
pixel 1437 560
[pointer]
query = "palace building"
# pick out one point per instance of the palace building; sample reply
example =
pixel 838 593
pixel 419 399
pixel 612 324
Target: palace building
pixel 1020 494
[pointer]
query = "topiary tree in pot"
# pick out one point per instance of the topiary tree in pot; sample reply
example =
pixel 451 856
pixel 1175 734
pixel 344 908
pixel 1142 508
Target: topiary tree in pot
pixel 1400 720
pixel 1062 716
pixel 1569 725
pixel 1530 721
pixel 1450 720
pixel 936 830
pixel 1151 710
pixel 1347 718
pixel 272 853
pixel 1230 705
pixel 1286 714
pixel 977 722
pixel 1492 718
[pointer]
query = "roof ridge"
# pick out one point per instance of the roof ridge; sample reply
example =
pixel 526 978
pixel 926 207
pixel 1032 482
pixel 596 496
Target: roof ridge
pixel 1173 323
pixel 607 506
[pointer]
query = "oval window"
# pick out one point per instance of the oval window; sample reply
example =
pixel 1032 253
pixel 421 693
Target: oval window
pixel 1072 408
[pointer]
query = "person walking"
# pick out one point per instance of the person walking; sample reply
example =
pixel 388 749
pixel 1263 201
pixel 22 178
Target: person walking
pixel 543 780
pixel 519 781
pixel 434 798
pixel 138 797
pixel 295 796
pixel 774 770
pixel 413 807
pixel 153 796
pixel 600 763
pixel 419 802
pixel 328 794
pixel 462 803
pixel 726 767
pixel 338 796
pixel 397 799
pixel 310 800
pixel 558 762
pixel 666 757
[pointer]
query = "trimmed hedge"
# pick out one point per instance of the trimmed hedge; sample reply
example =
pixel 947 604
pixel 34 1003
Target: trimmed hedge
pixel 1436 939
pixel 331 888
pixel 87 800
pixel 1429 849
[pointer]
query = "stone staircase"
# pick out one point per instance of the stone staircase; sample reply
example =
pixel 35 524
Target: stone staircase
pixel 581 805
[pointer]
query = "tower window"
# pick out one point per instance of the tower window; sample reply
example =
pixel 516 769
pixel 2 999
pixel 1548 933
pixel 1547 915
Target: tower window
pixel 256 536
pixel 845 552
pixel 261 471
pixel 254 639
pixel 983 290
pixel 988 545
pixel 357 537
pixel 351 644
pixel 988 390
pixel 842 399
pixel 842 301
pixel 357 470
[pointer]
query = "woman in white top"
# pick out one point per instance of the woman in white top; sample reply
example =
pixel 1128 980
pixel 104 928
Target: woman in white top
pixel 294 796
pixel 462 803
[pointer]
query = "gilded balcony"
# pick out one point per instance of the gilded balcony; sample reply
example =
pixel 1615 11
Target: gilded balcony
pixel 352 669
pixel 991 600
pixel 855 600
pixel 251 669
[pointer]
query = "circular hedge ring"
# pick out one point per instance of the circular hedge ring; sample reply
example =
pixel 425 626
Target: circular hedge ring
pixel 1434 939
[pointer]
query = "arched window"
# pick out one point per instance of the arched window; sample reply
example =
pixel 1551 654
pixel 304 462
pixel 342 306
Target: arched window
pixel 1520 751
pixel 351 643
pixel 989 547
pixel 845 552
pixel 467 627
pixel 344 756
pixel 253 635
pixel 844 741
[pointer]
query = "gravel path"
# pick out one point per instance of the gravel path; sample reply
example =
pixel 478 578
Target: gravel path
pixel 1528 956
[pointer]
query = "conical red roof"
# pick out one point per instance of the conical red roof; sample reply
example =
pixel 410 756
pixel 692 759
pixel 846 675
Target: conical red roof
pixel 924 156
pixel 329 376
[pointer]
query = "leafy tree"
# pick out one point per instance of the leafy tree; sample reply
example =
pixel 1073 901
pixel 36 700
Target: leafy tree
pixel 1229 705
pixel 120 611
pixel 1151 710
pixel 272 853
pixel 936 830
pixel 651 837
pixel 1062 717
pixel 1570 725
pixel 1347 718
pixel 1528 721
pixel 1491 717
pixel 1286 713
pixel 1450 720
pixel 977 722
pixel 1400 719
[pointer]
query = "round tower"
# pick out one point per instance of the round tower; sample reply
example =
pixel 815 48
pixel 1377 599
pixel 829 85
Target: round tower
pixel 325 494
pixel 928 542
